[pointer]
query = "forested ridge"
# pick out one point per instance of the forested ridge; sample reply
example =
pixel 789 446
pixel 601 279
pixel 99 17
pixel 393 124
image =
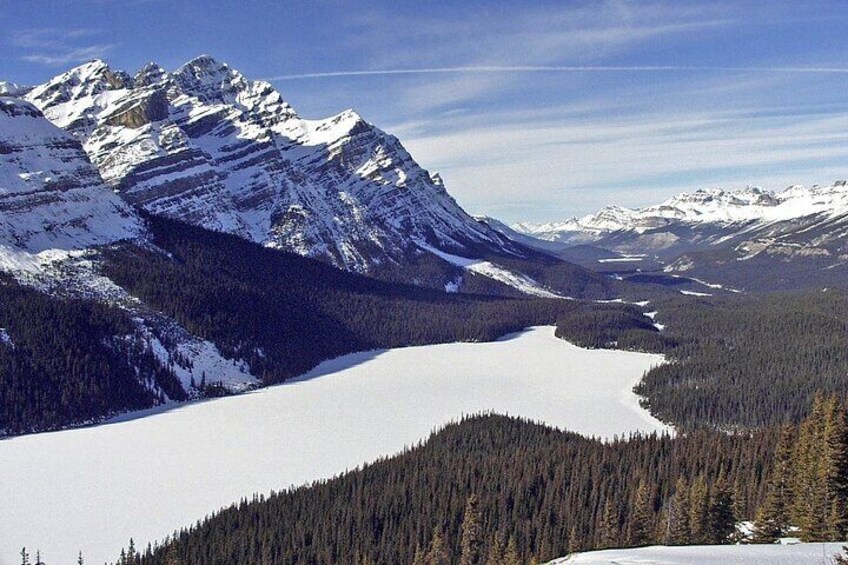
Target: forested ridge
pixel 746 361
pixel 64 361
pixel 543 491
pixel 75 361
pixel 492 489
pixel 284 313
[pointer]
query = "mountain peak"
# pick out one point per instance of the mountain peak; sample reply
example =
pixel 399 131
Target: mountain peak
pixel 151 73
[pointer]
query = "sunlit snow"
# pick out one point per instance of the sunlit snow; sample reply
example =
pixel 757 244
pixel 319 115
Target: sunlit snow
pixel 799 554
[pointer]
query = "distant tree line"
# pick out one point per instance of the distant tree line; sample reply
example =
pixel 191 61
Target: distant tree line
pixel 746 361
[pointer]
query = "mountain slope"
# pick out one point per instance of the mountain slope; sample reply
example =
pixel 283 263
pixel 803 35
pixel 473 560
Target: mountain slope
pixel 748 239
pixel 50 195
pixel 206 145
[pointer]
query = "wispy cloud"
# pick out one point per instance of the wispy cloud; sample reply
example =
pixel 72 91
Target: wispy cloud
pixel 559 166
pixel 561 69
pixel 54 47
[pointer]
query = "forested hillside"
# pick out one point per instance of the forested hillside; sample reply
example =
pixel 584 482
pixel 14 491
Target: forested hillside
pixel 747 361
pixel 536 490
pixel 70 361
pixel 494 490
pixel 284 313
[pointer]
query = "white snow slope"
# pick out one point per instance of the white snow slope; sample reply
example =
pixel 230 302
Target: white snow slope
pixel 708 206
pixel 799 554
pixel 90 489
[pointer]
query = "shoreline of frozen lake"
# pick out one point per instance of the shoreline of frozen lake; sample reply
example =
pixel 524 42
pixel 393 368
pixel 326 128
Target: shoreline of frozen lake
pixel 92 488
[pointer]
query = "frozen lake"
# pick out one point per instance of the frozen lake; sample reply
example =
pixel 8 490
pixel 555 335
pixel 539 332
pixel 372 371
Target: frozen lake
pixel 90 489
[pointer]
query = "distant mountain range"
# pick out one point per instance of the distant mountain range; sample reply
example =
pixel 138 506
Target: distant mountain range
pixel 751 238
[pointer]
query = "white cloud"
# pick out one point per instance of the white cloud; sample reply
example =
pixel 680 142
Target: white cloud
pixel 49 46
pixel 574 165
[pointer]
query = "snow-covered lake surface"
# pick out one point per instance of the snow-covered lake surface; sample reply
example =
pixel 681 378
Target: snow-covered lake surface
pixel 800 554
pixel 90 489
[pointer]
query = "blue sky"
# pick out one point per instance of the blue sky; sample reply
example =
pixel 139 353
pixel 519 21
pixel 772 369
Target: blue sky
pixel 530 111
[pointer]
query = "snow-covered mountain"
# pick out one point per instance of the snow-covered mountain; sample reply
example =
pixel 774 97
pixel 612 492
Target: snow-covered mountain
pixel 206 145
pixel 750 238
pixel 51 197
pixel 710 207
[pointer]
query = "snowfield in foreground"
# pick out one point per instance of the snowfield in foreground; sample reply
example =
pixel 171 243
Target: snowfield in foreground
pixel 799 554
pixel 90 489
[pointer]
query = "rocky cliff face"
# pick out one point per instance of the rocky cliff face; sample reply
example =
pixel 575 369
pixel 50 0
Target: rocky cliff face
pixel 51 197
pixel 205 145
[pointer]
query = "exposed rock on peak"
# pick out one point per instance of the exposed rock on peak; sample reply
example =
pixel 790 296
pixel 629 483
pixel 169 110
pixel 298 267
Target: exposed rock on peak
pixel 50 195
pixel 206 145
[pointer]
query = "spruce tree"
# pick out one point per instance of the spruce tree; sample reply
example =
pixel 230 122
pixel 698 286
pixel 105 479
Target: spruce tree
pixel 496 553
pixel 511 556
pixel 438 554
pixel 471 543
pixel 679 513
pixel 812 498
pixel 608 534
pixel 721 523
pixel 773 516
pixel 835 467
pixel 640 522
pixel 699 502
pixel 574 542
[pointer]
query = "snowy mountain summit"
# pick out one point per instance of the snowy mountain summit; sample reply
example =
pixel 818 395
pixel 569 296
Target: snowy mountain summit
pixel 206 145
pixel 703 207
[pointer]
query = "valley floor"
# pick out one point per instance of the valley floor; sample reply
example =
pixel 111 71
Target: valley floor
pixel 798 554
pixel 90 489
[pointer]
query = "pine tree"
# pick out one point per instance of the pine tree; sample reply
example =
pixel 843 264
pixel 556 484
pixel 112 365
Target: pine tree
pixel 699 503
pixel 496 552
pixel 640 522
pixel 679 513
pixel 471 543
pixel 438 553
pixel 609 530
pixel 511 557
pixel 80 560
pixel 812 487
pixel 420 558
pixel 721 523
pixel 773 516
pixel 574 542
pixel 835 467
pixel 24 557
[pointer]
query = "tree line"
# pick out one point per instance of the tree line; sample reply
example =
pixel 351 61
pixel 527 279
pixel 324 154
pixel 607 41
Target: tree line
pixel 742 362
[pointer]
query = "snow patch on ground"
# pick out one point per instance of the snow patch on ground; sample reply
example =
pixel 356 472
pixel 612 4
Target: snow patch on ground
pixel 693 293
pixel 92 488
pixel 623 259
pixel 653 316
pixel 798 554
pixel 488 269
